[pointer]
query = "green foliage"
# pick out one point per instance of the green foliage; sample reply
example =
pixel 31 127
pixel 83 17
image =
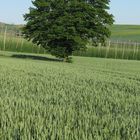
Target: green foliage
pixel 63 26
pixel 90 99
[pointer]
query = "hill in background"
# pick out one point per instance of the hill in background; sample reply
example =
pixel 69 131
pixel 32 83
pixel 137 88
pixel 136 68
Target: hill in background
pixel 125 33
pixel 11 28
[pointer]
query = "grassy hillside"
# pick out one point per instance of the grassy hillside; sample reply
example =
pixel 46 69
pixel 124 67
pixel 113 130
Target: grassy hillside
pixel 11 28
pixel 89 99
pixel 125 33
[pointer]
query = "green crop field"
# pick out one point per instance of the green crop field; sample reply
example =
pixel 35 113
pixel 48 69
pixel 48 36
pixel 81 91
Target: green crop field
pixel 125 33
pixel 89 99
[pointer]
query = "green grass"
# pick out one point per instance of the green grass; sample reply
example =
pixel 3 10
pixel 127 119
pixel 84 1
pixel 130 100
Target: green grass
pixel 18 44
pixel 89 99
pixel 125 33
pixel 114 51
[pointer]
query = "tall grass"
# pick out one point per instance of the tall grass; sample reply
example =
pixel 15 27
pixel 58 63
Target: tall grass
pixel 9 41
pixel 117 50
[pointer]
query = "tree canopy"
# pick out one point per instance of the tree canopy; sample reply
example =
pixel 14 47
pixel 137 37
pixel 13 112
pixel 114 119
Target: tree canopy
pixel 63 26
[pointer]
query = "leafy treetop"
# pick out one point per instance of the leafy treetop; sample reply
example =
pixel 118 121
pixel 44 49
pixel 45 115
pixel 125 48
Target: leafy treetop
pixel 63 26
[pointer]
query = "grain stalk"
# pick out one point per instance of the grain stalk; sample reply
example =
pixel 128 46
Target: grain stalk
pixel 107 50
pixel 4 40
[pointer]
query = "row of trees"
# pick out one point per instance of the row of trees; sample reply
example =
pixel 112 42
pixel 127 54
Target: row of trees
pixel 63 26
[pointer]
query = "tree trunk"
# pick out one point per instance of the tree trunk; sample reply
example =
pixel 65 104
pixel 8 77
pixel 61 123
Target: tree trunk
pixel 66 59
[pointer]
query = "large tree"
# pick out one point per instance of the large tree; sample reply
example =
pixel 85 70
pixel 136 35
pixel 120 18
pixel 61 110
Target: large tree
pixel 63 26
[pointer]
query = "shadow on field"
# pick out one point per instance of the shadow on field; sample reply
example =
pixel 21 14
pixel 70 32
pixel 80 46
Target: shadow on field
pixel 34 57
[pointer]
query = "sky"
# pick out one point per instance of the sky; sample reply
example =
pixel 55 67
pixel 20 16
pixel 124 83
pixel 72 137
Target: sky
pixel 124 11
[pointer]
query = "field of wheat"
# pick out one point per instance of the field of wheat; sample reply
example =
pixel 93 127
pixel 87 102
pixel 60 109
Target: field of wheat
pixel 89 99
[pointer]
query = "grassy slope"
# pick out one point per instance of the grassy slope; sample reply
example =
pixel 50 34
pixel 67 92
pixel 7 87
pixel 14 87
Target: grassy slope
pixel 125 33
pixel 10 27
pixel 88 99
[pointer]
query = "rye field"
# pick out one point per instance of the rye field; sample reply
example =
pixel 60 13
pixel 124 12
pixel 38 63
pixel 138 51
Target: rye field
pixel 42 98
